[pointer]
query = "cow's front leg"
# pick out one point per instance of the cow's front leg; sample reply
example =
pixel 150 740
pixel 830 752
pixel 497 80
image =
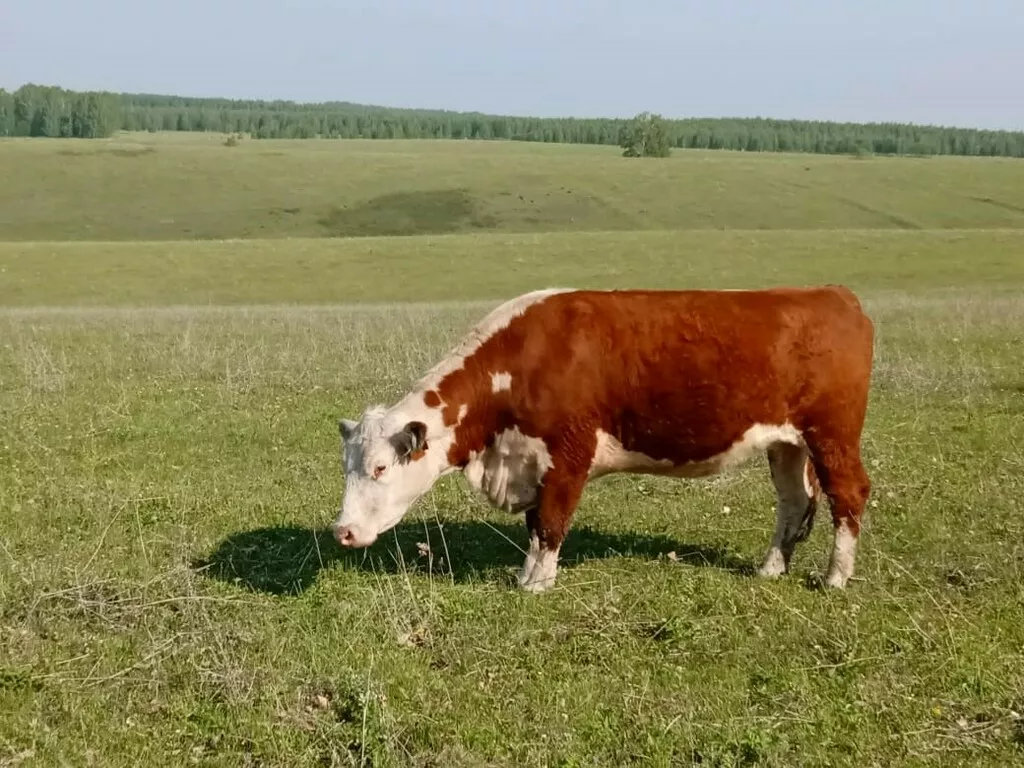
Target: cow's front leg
pixel 548 523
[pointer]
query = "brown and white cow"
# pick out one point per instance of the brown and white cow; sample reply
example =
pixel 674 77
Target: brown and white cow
pixel 557 387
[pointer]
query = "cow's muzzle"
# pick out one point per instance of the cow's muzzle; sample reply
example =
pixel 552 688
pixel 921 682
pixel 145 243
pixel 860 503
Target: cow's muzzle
pixel 349 537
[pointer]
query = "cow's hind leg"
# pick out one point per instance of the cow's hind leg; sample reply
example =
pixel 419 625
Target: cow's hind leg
pixel 796 489
pixel 846 483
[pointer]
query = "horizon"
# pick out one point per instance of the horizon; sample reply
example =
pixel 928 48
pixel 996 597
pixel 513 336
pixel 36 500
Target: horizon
pixel 946 63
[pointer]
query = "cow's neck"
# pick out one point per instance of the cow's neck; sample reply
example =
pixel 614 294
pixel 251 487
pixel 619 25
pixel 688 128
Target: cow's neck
pixel 461 411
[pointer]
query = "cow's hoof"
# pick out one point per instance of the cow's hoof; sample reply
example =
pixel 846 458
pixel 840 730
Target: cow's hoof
pixel 538 586
pixel 536 580
pixel 836 580
pixel 774 565
pixel 540 569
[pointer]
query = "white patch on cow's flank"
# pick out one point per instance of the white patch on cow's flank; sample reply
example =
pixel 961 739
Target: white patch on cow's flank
pixel 843 553
pixel 610 455
pixel 497 320
pixel 463 410
pixel 509 471
pixel 501 382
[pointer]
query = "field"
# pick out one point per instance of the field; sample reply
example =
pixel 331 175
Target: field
pixel 182 323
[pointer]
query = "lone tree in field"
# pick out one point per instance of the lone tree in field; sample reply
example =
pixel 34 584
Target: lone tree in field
pixel 645 136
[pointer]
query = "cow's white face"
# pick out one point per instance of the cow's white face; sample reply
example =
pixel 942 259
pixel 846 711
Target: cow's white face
pixel 388 465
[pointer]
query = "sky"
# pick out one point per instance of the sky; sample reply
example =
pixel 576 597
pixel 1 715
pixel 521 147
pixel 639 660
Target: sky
pixel 924 61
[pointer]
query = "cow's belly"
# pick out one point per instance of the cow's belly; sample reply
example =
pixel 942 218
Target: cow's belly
pixel 509 472
pixel 610 456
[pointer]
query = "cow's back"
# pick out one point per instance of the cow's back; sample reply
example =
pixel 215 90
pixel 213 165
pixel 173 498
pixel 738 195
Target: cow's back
pixel 681 375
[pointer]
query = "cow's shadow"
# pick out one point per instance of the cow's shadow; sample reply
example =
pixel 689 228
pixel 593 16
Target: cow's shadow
pixel 286 560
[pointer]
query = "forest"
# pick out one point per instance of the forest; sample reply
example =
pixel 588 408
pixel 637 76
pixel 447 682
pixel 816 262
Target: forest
pixel 35 110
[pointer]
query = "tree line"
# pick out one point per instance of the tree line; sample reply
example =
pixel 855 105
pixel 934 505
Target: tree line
pixel 35 110
pixel 48 111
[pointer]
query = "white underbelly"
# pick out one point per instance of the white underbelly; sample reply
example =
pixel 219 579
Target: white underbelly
pixel 610 456
pixel 509 472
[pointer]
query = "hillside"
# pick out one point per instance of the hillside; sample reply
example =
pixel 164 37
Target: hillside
pixel 187 186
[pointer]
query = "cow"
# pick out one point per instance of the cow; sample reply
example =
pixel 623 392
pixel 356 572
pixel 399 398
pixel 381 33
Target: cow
pixel 558 387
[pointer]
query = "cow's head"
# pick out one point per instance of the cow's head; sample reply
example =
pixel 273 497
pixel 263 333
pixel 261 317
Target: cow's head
pixel 388 465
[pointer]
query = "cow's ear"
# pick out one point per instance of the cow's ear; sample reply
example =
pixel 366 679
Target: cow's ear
pixel 412 439
pixel 347 427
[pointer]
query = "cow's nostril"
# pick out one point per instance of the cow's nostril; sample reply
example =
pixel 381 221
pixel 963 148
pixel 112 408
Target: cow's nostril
pixel 345 536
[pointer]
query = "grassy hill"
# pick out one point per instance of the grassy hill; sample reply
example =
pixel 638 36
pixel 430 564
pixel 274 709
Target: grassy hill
pixel 184 186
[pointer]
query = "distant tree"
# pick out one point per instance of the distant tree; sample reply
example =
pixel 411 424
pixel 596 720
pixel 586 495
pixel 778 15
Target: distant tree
pixel 40 120
pixel 645 136
pixel 22 111
pixel 6 113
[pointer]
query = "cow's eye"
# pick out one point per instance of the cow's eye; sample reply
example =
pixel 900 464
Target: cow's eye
pixel 378 471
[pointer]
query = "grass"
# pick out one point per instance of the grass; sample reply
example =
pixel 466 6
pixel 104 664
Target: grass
pixel 169 464
pixel 490 267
